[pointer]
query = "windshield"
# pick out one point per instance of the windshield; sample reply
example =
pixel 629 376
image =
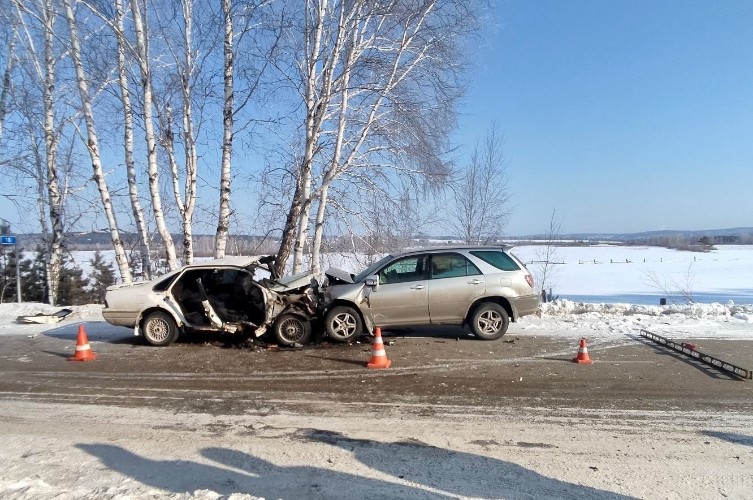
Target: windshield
pixel 372 269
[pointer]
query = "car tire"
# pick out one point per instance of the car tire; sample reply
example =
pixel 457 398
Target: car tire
pixel 291 329
pixel 159 329
pixel 489 321
pixel 343 324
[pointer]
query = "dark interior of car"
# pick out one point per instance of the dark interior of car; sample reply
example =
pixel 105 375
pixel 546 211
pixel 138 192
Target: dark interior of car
pixel 232 293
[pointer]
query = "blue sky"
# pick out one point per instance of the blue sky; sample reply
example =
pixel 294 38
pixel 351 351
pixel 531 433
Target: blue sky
pixel 624 116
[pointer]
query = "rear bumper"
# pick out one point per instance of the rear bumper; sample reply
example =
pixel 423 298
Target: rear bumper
pixel 525 305
pixel 120 318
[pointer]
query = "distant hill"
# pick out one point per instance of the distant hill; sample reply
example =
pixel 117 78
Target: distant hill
pixel 719 236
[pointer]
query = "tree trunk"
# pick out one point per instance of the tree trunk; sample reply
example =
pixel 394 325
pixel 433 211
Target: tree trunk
pixel 125 96
pixel 292 231
pixel 54 249
pixel 93 146
pixel 151 143
pixel 5 91
pixel 189 139
pixel 223 220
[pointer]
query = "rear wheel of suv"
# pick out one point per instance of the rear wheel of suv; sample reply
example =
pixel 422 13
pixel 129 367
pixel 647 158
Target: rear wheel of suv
pixel 159 329
pixel 343 324
pixel 489 321
pixel 290 330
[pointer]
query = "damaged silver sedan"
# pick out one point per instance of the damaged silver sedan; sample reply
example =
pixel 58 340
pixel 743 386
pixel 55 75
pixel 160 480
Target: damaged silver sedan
pixel 236 295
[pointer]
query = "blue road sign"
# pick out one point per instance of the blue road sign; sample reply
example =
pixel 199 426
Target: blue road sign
pixel 7 240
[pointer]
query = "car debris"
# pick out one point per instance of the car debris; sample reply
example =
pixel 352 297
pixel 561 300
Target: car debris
pixel 45 319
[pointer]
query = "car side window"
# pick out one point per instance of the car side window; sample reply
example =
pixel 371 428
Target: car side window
pixel 406 269
pixel 451 265
pixel 498 259
pixel 164 284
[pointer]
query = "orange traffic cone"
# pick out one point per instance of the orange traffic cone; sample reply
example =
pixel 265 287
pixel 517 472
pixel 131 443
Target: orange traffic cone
pixel 83 349
pixel 582 357
pixel 378 356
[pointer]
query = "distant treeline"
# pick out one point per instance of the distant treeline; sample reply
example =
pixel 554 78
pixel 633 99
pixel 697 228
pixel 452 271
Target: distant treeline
pixel 258 245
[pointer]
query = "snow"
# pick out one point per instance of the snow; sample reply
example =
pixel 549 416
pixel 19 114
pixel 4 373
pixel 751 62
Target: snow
pixel 106 453
pixel 643 275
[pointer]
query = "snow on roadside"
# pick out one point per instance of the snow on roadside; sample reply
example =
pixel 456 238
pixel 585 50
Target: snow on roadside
pixel 730 310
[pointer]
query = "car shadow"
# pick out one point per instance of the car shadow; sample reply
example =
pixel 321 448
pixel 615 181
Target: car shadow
pixel 440 332
pixel 731 437
pixel 244 473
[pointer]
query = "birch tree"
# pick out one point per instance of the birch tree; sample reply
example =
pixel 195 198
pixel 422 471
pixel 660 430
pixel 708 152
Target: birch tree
pixel 481 197
pixel 115 21
pixel 93 145
pixel 138 11
pixel 379 84
pixel 184 54
pixel 128 142
pixel 228 74
pixel 40 17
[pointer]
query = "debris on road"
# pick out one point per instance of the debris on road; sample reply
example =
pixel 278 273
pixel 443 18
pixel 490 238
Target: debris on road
pixel 45 319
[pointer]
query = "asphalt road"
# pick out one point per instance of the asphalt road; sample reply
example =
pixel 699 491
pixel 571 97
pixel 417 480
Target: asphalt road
pixel 432 369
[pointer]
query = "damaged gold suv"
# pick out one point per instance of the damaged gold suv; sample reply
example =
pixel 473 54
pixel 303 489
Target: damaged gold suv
pixel 483 287
pixel 233 295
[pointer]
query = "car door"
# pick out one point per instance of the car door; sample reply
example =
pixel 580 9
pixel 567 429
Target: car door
pixel 454 284
pixel 403 294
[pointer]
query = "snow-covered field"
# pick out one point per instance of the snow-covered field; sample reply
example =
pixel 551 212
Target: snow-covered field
pixel 643 275
pixel 614 273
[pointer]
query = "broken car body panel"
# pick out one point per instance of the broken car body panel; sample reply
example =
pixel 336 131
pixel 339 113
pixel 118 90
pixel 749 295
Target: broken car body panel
pixel 222 295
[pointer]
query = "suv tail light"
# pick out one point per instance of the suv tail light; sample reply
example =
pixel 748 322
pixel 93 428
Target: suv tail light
pixel 529 279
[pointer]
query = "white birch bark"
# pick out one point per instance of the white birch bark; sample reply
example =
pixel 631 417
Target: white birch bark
pixel 125 97
pixel 293 233
pixel 142 50
pixel 223 220
pixel 93 146
pixel 189 138
pixel 339 139
pixel 49 197
pixel 319 94
pixel 55 247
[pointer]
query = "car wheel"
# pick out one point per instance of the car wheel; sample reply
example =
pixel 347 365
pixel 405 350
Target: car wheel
pixel 290 329
pixel 343 324
pixel 159 329
pixel 489 321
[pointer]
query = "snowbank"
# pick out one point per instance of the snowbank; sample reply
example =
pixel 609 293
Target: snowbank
pixel 715 310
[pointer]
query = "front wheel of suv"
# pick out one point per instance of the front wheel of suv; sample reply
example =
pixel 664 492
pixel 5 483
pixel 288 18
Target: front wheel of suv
pixel 489 321
pixel 343 324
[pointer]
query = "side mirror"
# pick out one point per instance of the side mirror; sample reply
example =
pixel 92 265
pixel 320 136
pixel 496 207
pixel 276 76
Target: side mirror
pixel 373 281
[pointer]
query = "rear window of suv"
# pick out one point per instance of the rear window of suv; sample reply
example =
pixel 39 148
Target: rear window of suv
pixel 500 260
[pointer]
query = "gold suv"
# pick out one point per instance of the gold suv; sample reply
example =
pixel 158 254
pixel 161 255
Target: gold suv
pixel 481 286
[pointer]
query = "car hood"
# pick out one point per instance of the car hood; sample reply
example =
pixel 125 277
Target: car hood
pixel 337 276
pixel 292 282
